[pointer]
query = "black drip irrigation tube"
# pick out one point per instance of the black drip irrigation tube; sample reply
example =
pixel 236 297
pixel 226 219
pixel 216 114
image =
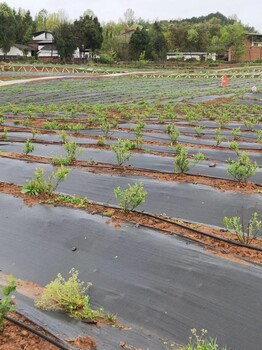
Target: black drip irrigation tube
pixel 239 244
pixel 34 331
pixel 163 219
pixel 112 166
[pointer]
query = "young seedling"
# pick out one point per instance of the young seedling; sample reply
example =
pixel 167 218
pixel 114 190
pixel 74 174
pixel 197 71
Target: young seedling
pixel 105 126
pixel 101 141
pixel 26 122
pixel 244 234
pixel 6 304
pixel 200 130
pixel 122 151
pixel 72 150
pixel 236 134
pixel 130 198
pixel 182 163
pixel 259 136
pixel 63 135
pixel 218 137
pixel 250 123
pixel 5 134
pixel 69 296
pixel 77 127
pixel 243 168
pixel 223 120
pixel 234 147
pixel 138 130
pixel 201 342
pixel 173 133
pixel 34 133
pixel 39 185
pixel 28 147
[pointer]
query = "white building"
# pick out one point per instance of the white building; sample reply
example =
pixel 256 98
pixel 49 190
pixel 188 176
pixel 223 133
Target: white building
pixel 44 43
pixel 189 55
pixel 17 51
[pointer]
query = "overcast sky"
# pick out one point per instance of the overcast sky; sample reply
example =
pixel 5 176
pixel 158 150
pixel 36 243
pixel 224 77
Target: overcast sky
pixel 248 11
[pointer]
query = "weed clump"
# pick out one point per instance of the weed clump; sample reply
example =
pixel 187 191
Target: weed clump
pixel 69 296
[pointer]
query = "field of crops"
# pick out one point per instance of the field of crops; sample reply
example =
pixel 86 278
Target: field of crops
pixel 143 177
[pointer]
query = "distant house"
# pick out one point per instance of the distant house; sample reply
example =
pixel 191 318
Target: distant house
pixel 253 52
pixel 185 56
pixel 18 51
pixel 43 42
pixel 126 36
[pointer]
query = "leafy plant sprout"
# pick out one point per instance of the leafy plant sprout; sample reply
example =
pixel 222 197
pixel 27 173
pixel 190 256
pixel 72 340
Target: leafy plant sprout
pixel 69 296
pixel 200 130
pixel 243 168
pixel 233 146
pixel 72 151
pixel 236 134
pixel 101 141
pixel 244 234
pixel 259 136
pixel 39 185
pixel 6 304
pixel 130 198
pixel 173 133
pixel 138 130
pixel 28 147
pixel 122 151
pixel 105 126
pixel 182 163
pixel 218 137
pixel 5 134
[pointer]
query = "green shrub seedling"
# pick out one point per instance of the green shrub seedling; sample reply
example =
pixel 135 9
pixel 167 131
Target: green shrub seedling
pixel 130 198
pixel 122 150
pixel 28 147
pixel 39 185
pixel 243 168
pixel 69 296
pixel 6 305
pixel 244 235
pixel 173 133
pixel 183 163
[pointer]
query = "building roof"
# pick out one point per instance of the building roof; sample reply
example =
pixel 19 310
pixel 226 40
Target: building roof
pixel 47 47
pixel 41 32
pixel 186 53
pixel 25 47
pixel 128 31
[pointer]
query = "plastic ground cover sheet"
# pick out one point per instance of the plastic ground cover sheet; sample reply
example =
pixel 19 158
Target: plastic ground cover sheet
pixel 144 161
pixel 219 154
pixel 193 202
pixel 158 285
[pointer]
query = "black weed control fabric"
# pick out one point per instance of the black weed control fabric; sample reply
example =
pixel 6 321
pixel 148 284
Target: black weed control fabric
pixel 160 286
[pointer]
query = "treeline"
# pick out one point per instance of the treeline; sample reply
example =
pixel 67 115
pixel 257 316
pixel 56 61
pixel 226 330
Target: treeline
pixel 130 38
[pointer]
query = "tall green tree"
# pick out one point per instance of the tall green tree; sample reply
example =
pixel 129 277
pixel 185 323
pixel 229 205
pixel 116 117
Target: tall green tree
pixel 89 33
pixel 157 46
pixel 7 27
pixel 177 36
pixel 24 27
pixel 192 38
pixel 53 20
pixel 40 20
pixel 138 43
pixel 233 36
pixel 65 41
